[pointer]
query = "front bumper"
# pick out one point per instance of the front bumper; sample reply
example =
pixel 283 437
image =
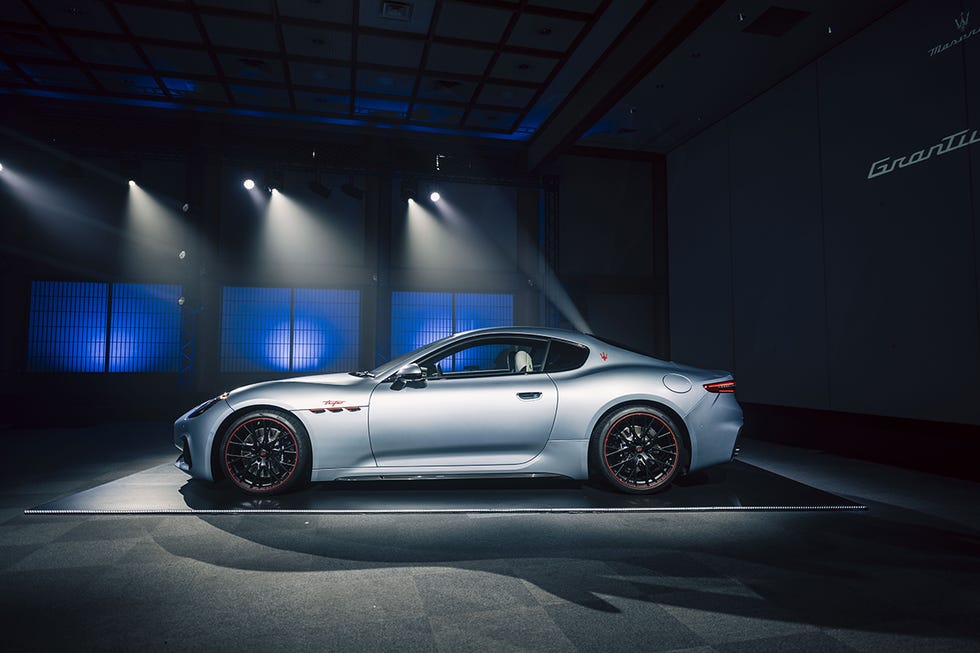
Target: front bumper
pixel 194 437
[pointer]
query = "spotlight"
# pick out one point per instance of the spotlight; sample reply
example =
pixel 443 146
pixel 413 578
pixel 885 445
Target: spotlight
pixel 1 167
pixel 248 184
pixel 352 191
pixel 409 189
pixel 185 207
pixel 435 196
pixel 275 181
pixel 320 189
pixel 182 254
pixel 132 183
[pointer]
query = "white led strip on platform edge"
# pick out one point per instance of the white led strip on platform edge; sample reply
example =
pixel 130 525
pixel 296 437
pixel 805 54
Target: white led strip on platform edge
pixel 420 511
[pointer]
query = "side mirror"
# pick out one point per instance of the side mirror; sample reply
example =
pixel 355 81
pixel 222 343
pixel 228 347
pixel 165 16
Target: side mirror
pixel 410 372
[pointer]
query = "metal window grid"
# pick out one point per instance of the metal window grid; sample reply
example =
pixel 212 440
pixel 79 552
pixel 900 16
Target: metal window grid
pixel 144 335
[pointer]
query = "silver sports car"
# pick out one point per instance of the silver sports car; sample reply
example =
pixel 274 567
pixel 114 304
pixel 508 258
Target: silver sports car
pixel 501 402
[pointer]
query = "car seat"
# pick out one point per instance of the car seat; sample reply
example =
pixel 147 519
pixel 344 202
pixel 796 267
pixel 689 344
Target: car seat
pixel 522 362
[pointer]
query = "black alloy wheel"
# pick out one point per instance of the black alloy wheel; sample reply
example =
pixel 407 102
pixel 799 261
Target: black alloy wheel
pixel 266 452
pixel 637 450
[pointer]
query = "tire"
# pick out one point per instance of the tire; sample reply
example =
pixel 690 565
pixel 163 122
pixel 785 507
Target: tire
pixel 266 452
pixel 637 449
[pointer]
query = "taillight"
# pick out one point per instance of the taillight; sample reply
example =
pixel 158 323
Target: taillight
pixel 726 387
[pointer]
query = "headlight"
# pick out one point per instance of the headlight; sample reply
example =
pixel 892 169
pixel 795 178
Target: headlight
pixel 200 410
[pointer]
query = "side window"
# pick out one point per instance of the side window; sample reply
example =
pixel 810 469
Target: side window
pixel 564 356
pixel 489 357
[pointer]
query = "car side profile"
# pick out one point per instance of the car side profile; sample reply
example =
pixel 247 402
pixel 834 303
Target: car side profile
pixel 499 402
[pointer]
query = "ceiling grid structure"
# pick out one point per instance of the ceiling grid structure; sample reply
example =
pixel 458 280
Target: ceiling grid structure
pixel 472 67
pixel 640 76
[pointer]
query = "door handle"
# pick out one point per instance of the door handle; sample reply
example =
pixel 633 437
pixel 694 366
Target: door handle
pixel 528 396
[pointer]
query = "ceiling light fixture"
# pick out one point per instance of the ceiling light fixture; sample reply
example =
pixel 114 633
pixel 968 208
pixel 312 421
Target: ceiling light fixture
pixel 352 191
pixel 320 188
pixel 392 10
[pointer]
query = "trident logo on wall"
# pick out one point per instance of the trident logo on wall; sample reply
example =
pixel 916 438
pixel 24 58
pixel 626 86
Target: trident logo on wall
pixel 962 21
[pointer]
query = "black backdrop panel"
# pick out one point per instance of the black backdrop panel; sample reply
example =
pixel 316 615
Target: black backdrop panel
pixel 971 51
pixel 605 207
pixel 901 289
pixel 700 251
pixel 777 243
pixel 896 310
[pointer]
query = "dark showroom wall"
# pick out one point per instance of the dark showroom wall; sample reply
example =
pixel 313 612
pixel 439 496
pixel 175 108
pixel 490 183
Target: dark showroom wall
pixel 608 232
pixel 823 238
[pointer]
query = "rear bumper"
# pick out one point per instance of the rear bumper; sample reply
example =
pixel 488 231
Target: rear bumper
pixel 715 425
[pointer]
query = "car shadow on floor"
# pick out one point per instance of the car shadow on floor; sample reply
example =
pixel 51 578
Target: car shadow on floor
pixel 886 569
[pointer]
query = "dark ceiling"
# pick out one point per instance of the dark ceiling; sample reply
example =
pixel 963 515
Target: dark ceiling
pixel 627 74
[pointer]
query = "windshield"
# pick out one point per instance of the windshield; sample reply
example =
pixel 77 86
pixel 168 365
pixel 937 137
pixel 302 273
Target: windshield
pixel 396 363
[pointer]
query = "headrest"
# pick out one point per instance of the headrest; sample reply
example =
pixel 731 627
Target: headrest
pixel 523 363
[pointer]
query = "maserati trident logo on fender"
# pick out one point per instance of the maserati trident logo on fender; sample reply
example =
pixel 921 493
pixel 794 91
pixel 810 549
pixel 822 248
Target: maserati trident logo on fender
pixel 961 24
pixel 946 145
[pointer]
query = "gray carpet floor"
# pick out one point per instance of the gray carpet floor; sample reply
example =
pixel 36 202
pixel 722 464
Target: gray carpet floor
pixel 901 576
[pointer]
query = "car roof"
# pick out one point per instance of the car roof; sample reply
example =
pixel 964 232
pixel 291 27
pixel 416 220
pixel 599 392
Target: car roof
pixel 546 332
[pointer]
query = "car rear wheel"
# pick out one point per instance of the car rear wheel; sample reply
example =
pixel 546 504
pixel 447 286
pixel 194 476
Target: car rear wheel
pixel 637 450
pixel 266 452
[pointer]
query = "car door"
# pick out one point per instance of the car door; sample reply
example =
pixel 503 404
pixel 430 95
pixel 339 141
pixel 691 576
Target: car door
pixel 474 408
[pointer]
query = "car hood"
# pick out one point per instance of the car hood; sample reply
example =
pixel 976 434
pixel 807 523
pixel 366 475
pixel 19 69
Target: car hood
pixel 306 392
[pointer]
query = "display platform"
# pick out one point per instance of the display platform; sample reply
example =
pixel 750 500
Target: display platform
pixel 166 490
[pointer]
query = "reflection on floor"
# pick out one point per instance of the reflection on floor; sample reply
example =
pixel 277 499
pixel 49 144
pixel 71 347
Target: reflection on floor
pixel 164 489
pixel 903 575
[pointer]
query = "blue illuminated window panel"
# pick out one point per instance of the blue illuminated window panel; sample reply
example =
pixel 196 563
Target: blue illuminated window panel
pixel 144 332
pixel 326 330
pixel 418 318
pixel 480 310
pixel 285 329
pixel 255 329
pixel 67 326
pixel 477 311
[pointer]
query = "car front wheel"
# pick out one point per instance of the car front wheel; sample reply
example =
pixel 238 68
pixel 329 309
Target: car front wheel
pixel 637 450
pixel 266 452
